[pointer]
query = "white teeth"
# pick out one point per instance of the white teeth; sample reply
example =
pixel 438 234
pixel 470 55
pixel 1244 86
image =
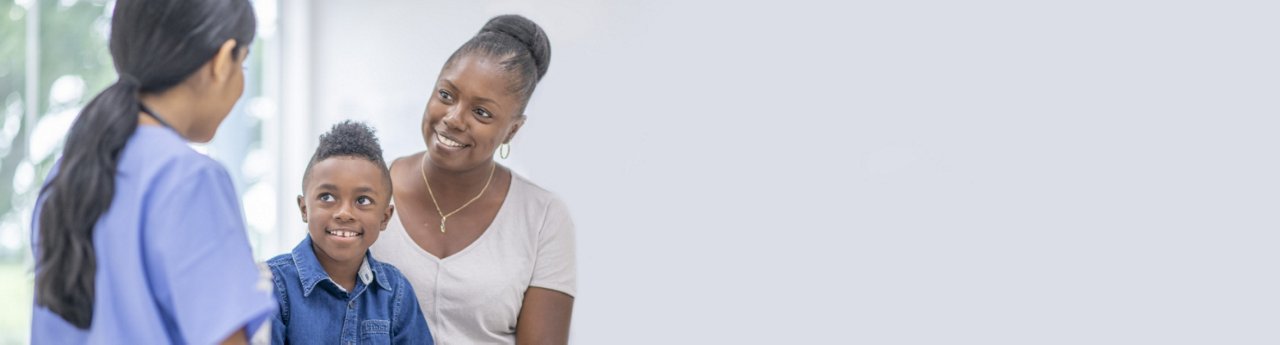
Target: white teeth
pixel 447 142
pixel 344 233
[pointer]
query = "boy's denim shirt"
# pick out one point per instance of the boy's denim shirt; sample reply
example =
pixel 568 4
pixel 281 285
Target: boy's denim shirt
pixel 315 310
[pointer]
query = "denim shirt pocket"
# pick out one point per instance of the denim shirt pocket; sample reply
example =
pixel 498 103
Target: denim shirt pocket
pixel 375 332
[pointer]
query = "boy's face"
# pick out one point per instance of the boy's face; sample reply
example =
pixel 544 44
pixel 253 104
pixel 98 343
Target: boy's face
pixel 345 204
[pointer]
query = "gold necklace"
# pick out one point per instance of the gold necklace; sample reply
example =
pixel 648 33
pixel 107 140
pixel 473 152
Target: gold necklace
pixel 445 217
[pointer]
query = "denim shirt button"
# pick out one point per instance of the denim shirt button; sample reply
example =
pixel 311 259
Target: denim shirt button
pixel 351 305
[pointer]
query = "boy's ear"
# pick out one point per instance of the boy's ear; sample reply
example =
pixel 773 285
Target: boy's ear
pixel 302 207
pixel 391 209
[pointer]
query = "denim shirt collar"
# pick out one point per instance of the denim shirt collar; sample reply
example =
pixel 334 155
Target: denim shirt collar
pixel 311 273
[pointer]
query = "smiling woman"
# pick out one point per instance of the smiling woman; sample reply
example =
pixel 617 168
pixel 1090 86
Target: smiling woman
pixel 493 250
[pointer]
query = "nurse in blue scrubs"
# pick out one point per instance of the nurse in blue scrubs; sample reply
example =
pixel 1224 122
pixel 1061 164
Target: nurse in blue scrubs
pixel 139 239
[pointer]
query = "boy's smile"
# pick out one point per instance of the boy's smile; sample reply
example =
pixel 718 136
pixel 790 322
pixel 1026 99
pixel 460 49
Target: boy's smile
pixel 343 233
pixel 345 205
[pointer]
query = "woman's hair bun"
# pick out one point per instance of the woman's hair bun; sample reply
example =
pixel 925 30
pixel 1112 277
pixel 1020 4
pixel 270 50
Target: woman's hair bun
pixel 526 32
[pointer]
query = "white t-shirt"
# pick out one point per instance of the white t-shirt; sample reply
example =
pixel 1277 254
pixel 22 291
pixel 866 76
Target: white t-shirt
pixel 474 296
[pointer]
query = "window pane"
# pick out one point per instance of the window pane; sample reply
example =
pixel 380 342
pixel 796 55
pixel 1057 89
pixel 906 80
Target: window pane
pixel 15 293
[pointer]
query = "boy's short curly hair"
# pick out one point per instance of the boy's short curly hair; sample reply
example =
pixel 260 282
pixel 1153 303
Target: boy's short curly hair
pixel 349 139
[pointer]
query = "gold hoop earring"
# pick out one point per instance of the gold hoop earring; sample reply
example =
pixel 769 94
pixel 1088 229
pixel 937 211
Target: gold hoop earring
pixel 504 150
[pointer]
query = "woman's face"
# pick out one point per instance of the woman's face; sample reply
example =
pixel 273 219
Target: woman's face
pixel 471 112
pixel 223 90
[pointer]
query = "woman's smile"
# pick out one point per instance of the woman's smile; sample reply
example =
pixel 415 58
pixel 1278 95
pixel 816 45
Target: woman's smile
pixel 450 143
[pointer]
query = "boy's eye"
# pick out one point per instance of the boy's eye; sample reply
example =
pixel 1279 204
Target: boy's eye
pixel 326 197
pixel 483 113
pixel 364 200
pixel 445 95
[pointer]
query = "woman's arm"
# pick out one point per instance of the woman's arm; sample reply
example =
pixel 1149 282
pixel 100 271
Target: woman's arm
pixel 544 318
pixel 548 303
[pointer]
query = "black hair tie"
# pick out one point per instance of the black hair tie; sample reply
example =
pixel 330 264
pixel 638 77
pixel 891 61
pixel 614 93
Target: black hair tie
pixel 131 82
pixel 128 80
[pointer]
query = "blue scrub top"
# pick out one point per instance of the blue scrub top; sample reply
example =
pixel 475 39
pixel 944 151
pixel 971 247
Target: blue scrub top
pixel 173 257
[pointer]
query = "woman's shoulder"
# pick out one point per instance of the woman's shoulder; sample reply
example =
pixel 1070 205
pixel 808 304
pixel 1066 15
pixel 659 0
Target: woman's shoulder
pixel 161 164
pixel 401 169
pixel 529 189
pixel 534 197
pixel 161 151
pixel 404 161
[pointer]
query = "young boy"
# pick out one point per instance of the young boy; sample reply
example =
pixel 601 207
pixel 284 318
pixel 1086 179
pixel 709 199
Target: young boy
pixel 330 289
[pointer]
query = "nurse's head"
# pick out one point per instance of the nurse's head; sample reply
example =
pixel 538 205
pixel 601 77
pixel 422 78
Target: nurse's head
pixel 183 55
pixel 479 98
pixel 346 194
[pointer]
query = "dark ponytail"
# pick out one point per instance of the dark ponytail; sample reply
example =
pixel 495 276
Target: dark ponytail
pixel 155 45
pixel 521 46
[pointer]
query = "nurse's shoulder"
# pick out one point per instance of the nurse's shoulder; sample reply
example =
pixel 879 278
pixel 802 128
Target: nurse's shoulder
pixel 158 155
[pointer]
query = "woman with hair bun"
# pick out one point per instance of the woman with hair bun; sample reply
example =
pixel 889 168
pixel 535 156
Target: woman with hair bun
pixel 489 253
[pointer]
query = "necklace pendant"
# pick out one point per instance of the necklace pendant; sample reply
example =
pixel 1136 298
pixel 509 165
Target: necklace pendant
pixel 442 220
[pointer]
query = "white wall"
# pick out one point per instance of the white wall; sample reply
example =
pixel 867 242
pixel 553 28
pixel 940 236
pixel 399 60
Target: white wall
pixel 908 172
